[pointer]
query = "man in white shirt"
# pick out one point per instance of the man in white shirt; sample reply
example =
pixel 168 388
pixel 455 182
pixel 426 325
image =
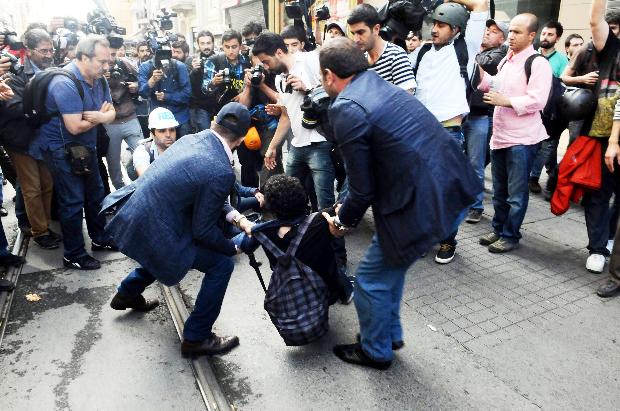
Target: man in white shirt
pixel 443 74
pixel 298 73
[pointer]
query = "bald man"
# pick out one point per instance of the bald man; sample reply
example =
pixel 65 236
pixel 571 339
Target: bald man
pixel 517 130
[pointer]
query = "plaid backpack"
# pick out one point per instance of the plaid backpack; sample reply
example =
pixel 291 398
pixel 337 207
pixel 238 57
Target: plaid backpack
pixel 297 298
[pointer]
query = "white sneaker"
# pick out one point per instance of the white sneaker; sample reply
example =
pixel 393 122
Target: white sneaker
pixel 610 245
pixel 595 263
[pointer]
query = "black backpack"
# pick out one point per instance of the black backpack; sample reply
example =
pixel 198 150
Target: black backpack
pixel 297 297
pixel 462 55
pixel 35 95
pixel 553 121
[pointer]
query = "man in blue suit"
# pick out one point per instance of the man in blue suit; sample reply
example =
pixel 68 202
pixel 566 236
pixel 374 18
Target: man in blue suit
pixel 167 221
pixel 400 161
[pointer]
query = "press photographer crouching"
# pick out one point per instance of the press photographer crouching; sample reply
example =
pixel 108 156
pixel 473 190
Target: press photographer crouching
pixel 123 80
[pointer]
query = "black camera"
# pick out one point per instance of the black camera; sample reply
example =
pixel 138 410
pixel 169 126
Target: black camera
pixel 163 57
pixel 99 22
pixel 322 13
pixel 165 20
pixel 299 11
pixel 289 87
pixel 315 104
pixel 15 67
pixel 119 72
pixel 399 17
pixel 257 75
pixel 226 77
pixel 11 40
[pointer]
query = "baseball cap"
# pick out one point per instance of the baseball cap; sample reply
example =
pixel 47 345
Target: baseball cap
pixel 162 118
pixel 240 113
pixel 502 25
pixel 336 24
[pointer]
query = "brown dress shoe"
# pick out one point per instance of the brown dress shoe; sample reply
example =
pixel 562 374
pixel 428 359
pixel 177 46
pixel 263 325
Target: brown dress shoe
pixel 210 346
pixel 123 302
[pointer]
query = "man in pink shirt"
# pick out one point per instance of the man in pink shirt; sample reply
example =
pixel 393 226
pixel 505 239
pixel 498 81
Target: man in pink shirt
pixel 517 128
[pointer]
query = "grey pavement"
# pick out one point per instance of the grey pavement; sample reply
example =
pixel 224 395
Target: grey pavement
pixel 523 330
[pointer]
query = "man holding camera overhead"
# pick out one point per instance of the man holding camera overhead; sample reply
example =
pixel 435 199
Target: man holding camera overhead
pixel 165 81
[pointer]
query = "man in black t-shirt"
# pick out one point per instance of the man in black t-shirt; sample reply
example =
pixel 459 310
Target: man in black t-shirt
pixel 201 106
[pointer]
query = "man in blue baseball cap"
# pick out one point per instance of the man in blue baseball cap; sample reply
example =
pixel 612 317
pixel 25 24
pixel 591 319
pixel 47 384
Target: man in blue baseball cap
pixel 167 221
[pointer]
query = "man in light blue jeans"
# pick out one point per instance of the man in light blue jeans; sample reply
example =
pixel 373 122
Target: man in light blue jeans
pixel 131 133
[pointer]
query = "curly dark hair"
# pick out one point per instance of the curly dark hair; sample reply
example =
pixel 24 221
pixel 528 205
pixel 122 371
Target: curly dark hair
pixel 285 197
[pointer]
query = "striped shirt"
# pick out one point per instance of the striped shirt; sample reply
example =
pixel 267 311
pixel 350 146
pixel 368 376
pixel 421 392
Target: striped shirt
pixel 393 66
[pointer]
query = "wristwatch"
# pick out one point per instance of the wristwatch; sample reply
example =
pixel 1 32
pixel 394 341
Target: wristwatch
pixel 339 225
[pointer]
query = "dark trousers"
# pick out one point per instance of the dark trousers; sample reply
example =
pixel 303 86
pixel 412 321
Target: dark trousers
pixel 77 195
pixel 217 269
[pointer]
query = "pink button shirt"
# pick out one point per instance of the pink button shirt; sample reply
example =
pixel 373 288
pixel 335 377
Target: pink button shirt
pixel 520 124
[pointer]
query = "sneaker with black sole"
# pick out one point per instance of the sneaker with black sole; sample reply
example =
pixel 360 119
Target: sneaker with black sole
pixel 353 354
pixel 85 262
pixel 534 186
pixel 445 253
pixel 474 216
pixel 11 260
pixel 46 242
pixel 103 247
pixel 488 239
pixel 57 237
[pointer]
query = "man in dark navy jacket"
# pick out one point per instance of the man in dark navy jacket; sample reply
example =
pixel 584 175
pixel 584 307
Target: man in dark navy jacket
pixel 400 161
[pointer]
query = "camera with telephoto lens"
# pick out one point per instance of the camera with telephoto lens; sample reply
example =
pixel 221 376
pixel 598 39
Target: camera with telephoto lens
pixel 257 75
pixel 15 67
pixel 399 17
pixel 322 13
pixel 315 104
pixel 99 22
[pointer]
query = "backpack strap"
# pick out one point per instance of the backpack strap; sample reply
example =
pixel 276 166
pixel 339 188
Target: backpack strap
pixel 303 227
pixel 528 66
pixel 425 48
pixel 462 55
pixel 268 244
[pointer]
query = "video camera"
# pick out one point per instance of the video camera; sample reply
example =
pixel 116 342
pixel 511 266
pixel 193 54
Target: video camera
pixel 161 43
pixel 164 20
pixel 15 68
pixel 100 22
pixel 399 17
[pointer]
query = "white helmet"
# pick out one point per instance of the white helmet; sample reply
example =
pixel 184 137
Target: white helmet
pixel 162 118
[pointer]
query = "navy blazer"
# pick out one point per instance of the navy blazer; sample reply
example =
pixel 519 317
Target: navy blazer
pixel 174 208
pixel 400 160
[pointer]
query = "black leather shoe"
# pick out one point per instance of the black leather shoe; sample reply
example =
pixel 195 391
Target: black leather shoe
pixel 139 303
pixel 11 260
pixel 210 346
pixel 104 247
pixel 609 289
pixel 396 345
pixel 6 285
pixel 46 241
pixel 57 237
pixel 353 354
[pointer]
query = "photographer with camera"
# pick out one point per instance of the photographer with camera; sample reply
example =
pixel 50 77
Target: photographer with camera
pixel 249 32
pixel 332 29
pixel 387 59
pixel 165 82
pixel 143 53
pixel 68 145
pixel 123 81
pixel 22 142
pixel 444 70
pixel 201 106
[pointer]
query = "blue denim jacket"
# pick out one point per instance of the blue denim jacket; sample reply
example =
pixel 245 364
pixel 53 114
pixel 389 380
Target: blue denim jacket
pixel 176 87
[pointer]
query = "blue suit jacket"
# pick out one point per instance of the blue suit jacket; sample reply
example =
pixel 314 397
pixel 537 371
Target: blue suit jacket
pixel 401 161
pixel 174 208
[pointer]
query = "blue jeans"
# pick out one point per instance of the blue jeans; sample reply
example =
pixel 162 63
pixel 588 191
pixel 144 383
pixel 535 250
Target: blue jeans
pixel 315 159
pixel 511 169
pixel 546 156
pixel 476 131
pixel 217 269
pixel 200 119
pixel 77 195
pixel 597 209
pixel 378 293
pixel 183 130
pixel 451 239
pixel 132 134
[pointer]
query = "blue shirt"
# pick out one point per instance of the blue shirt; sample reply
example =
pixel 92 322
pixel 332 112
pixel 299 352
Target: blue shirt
pixel 175 85
pixel 63 97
